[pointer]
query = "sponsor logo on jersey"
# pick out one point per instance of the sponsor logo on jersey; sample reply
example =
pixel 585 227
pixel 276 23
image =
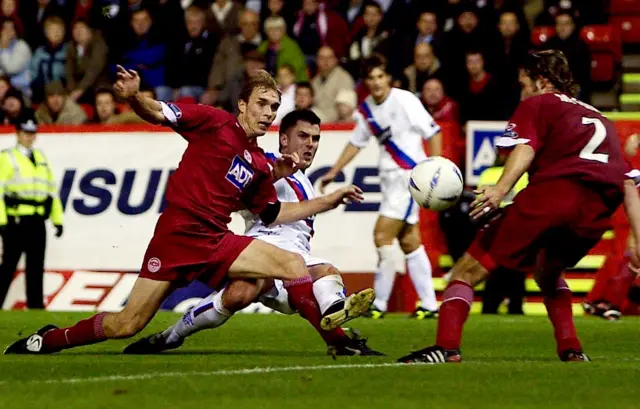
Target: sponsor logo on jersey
pixel 240 173
pixel 175 110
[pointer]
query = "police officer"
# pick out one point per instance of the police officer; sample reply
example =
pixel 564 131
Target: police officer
pixel 27 198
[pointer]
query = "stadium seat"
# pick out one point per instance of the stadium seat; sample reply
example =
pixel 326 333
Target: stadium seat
pixel 542 34
pixel 629 27
pixel 602 67
pixel 603 38
pixel 88 110
pixel 620 7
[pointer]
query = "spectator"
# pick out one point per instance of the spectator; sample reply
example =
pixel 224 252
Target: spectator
pixel 316 27
pixel 427 26
pixel 278 8
pixel 304 95
pixel 228 58
pixel 14 57
pixel 147 55
pixel 346 103
pixel 329 81
pixel 372 38
pixel 34 15
pixel 190 62
pixel 86 62
pixel 12 107
pixel 440 106
pixel 222 17
pixel 567 40
pixel 478 100
pixel 9 10
pixel 515 45
pixel 425 66
pixel 58 108
pixel 287 83
pixel 253 61
pixel 83 10
pixel 281 49
pixel 48 62
pixel 107 112
pixel 352 12
pixel 5 86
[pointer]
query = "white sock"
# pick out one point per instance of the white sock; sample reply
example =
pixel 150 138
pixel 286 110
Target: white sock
pixel 385 277
pixel 208 313
pixel 277 298
pixel 420 272
pixel 329 290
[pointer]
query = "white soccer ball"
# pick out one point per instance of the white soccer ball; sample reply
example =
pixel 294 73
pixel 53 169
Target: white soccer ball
pixel 436 183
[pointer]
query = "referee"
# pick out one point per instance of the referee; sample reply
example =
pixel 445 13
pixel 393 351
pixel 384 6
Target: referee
pixel 27 198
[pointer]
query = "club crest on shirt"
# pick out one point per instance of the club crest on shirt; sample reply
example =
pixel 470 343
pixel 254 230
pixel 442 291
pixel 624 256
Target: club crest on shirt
pixel 240 173
pixel 247 156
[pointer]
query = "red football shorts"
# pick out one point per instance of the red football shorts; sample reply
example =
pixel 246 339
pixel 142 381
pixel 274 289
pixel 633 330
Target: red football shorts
pixel 183 250
pixel 550 226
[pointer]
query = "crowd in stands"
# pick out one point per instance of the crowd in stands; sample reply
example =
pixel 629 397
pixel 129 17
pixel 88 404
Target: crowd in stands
pixel 58 57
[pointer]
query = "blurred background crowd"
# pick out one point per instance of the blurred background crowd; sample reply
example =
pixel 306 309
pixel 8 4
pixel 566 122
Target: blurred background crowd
pixel 58 57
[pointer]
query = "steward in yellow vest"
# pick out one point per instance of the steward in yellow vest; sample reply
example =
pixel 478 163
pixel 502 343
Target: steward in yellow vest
pixel 27 199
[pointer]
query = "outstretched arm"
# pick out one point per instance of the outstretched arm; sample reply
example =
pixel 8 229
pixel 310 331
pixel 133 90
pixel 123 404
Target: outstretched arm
pixel 350 151
pixel 293 212
pixel 128 87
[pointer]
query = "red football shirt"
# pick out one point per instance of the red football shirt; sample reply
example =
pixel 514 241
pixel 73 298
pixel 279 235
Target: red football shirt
pixel 571 139
pixel 221 172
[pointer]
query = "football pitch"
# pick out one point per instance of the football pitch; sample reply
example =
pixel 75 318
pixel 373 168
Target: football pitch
pixel 274 361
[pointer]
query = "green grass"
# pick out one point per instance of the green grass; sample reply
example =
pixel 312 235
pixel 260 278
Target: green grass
pixel 510 362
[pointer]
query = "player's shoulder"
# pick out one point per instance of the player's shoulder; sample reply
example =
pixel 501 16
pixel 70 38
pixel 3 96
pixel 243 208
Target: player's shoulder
pixel 402 94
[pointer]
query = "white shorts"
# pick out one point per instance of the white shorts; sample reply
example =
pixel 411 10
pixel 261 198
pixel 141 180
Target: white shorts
pixel 397 202
pixel 284 244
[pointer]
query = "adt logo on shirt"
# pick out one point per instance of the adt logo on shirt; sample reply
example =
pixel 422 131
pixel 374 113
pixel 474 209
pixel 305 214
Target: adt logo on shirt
pixel 240 173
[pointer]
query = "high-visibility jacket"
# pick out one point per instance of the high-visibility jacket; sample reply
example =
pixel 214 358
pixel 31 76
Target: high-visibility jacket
pixel 27 189
pixel 491 176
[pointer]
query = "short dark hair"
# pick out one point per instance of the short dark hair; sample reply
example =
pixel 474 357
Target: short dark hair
pixel 307 85
pixel 553 66
pixel 372 62
pixel 261 79
pixel 292 118
pixel 373 4
pixel 104 90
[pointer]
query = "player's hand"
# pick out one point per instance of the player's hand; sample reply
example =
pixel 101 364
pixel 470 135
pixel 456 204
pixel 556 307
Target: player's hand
pixel 631 146
pixel 487 202
pixel 285 165
pixel 346 195
pixel 127 84
pixel 327 178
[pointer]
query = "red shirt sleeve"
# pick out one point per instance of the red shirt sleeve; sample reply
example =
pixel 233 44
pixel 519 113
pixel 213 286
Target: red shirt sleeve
pixel 523 128
pixel 193 120
pixel 261 194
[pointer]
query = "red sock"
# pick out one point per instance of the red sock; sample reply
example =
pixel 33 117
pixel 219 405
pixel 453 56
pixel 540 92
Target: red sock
pixel 454 310
pixel 602 280
pixel 616 293
pixel 302 299
pixel 561 316
pixel 85 332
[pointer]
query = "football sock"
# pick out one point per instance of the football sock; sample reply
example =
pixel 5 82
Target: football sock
pixel 384 278
pixel 454 310
pixel 419 268
pixel 208 313
pixel 85 332
pixel 329 290
pixel 302 299
pixel 561 316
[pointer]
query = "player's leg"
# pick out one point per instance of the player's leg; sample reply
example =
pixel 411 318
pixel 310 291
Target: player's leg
pixel 420 270
pixel 144 301
pixel 211 312
pixel 616 293
pixel 261 259
pixel 384 233
pixel 329 290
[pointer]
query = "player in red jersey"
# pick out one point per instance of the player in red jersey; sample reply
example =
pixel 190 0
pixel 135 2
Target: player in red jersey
pixel 577 179
pixel 222 171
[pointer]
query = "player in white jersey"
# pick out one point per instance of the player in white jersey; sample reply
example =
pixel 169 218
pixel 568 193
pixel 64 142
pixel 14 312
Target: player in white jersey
pixel 299 134
pixel 400 123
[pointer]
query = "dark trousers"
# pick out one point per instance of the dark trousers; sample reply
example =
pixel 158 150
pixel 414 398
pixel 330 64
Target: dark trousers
pixel 24 235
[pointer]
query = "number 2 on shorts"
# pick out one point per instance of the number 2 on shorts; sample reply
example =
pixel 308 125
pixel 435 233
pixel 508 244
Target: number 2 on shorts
pixel 598 137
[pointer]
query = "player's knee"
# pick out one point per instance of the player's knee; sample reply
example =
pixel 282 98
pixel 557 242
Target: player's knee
pixel 410 243
pixel 239 295
pixel 293 266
